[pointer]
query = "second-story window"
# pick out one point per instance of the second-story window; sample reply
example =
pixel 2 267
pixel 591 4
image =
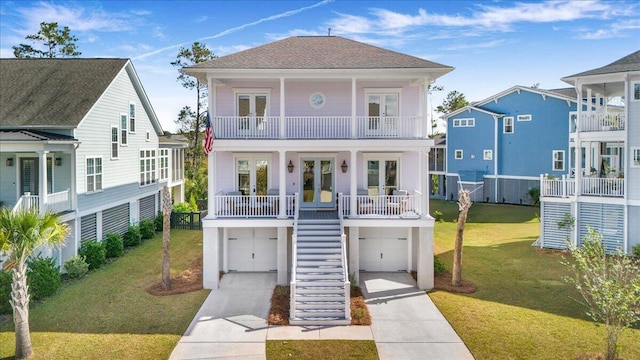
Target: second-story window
pixel 147 167
pixel 464 122
pixel 94 174
pixel 164 164
pixel 635 156
pixel 178 164
pixel 487 155
pixel 123 129
pixel 508 125
pixel 458 154
pixel 558 160
pixel 132 117
pixel 114 142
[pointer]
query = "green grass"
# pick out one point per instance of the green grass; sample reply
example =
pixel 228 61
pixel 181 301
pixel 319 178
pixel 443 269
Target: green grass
pixel 108 314
pixel 522 309
pixel 321 349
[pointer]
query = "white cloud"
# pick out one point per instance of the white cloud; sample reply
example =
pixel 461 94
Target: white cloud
pixel 6 52
pixel 615 30
pixel 158 32
pixel 475 45
pixel 201 19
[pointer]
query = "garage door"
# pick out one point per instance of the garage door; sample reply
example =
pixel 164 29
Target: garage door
pixel 383 249
pixel 253 249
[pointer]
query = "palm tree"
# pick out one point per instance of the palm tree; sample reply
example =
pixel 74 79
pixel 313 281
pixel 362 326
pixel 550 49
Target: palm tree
pixel 21 233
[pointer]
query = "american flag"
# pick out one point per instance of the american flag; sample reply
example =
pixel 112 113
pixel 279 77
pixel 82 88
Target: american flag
pixel 208 136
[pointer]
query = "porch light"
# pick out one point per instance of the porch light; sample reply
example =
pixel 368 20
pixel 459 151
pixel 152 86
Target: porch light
pixel 344 166
pixel 9 161
pixel 290 167
pixel 58 161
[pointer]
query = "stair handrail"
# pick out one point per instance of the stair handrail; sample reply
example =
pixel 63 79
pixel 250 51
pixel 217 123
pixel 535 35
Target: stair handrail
pixel 294 259
pixel 345 266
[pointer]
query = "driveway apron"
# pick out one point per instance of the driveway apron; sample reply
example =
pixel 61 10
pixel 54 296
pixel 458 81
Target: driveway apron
pixel 231 324
pixel 405 322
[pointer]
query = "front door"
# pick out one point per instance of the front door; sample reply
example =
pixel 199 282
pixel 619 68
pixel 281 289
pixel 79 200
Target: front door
pixel 317 183
pixel 29 176
pixel 252 112
pixel 383 112
pixel 382 177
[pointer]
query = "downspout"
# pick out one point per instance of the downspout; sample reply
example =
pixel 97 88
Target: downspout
pixel 627 159
pixel 495 159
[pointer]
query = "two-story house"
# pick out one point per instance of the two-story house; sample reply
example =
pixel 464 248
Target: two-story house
pixel 319 167
pixel 498 147
pixel 79 137
pixel 601 190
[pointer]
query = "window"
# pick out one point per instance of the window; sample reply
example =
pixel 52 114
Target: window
pixel 635 157
pixel 464 122
pixel 558 160
pixel 94 174
pixel 178 164
pixel 114 142
pixel 507 125
pixel 458 154
pixel 164 164
pixel 487 155
pixel 636 91
pixel 147 167
pixel 524 117
pixel 148 138
pixel 123 129
pixel 132 117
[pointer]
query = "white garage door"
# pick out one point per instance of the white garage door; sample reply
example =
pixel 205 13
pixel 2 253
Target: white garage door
pixel 383 249
pixel 253 249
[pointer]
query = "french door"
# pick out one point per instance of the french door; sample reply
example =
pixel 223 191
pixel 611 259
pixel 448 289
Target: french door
pixel 382 112
pixel 252 109
pixel 317 183
pixel 252 175
pixel 382 177
pixel 30 176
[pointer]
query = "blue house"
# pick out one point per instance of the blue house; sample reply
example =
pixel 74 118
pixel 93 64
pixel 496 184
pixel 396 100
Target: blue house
pixel 498 147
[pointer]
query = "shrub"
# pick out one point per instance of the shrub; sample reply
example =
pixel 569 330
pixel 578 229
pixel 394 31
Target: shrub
pixel 438 216
pixel 113 245
pixel 438 266
pixel 76 267
pixel 147 229
pixel 184 207
pixel 636 250
pixel 94 253
pixel 132 237
pixel 43 277
pixel 158 221
pixel 5 292
pixel 534 194
pixel 358 313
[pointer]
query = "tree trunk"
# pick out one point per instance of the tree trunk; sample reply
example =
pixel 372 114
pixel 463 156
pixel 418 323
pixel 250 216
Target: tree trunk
pixel 20 304
pixel 166 235
pixel 464 203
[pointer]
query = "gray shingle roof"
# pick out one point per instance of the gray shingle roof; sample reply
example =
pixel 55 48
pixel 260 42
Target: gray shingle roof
pixel 318 52
pixel 32 135
pixel 628 63
pixel 568 92
pixel 52 92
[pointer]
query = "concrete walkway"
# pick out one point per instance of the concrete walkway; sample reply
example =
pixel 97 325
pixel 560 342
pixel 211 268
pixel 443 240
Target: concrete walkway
pixel 231 324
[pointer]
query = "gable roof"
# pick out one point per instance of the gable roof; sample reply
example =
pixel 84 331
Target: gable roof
pixel 58 93
pixel 470 108
pixel 33 135
pixel 558 93
pixel 628 63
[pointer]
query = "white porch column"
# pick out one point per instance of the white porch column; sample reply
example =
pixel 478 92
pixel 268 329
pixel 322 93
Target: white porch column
pixel 353 188
pixel 422 109
pixel 42 186
pixel 282 110
pixel 423 167
pixel 210 257
pixel 282 256
pixel 354 121
pixel 73 191
pixel 425 259
pixel 212 184
pixel 354 252
pixel 282 176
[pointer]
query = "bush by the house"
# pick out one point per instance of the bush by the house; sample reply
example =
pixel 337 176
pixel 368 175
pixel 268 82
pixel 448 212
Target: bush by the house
pixel 94 253
pixel 158 221
pixel 191 206
pixel 438 266
pixel 5 292
pixel 76 267
pixel 43 277
pixel 132 237
pixel 636 250
pixel 113 245
pixel 147 229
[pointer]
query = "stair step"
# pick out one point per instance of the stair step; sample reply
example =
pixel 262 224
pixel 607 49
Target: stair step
pixel 305 297
pixel 323 321
pixel 320 313
pixel 337 239
pixel 320 262
pixel 319 276
pixel 315 269
pixel 324 244
pixel 319 305
pixel 320 283
pixel 320 290
pixel 316 250
pixel 317 257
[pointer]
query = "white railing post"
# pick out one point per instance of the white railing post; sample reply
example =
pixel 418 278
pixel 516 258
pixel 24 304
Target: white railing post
pixel 294 260
pixel 564 186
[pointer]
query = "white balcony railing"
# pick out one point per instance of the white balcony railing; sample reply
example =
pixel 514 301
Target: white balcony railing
pixel 601 121
pixel 384 206
pixel 589 186
pixel 56 202
pixel 316 127
pixel 252 205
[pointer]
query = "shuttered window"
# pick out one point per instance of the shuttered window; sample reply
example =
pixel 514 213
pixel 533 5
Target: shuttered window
pixel 88 227
pixel 148 208
pixel 115 219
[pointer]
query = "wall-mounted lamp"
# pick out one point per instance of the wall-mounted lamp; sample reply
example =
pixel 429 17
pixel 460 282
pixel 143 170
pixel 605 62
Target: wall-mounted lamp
pixel 9 162
pixel 290 167
pixel 344 166
pixel 58 161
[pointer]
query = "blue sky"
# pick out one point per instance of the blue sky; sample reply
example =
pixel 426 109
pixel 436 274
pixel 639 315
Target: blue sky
pixel 492 44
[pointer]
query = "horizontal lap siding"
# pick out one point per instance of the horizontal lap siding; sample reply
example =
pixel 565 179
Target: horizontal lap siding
pixel 115 220
pixel 607 219
pixel 148 208
pixel 88 227
pixel 552 236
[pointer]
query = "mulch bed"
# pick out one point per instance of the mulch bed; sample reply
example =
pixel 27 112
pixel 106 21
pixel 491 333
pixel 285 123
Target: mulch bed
pixel 187 281
pixel 279 312
pixel 443 282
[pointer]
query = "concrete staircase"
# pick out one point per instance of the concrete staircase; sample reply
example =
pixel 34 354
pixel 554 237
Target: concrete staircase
pixel 319 291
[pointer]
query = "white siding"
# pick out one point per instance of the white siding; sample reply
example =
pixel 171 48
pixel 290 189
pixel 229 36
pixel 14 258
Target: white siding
pixel 633 123
pixel 607 219
pixel 552 236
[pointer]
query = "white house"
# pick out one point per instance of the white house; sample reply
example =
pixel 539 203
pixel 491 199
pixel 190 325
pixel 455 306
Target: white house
pixel 601 190
pixel 319 167
pixel 79 137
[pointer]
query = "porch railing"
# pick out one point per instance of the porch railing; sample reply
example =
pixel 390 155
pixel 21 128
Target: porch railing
pixel 252 205
pixel 601 121
pixel 345 264
pixel 589 186
pixel 56 202
pixel 384 206
pixel 317 127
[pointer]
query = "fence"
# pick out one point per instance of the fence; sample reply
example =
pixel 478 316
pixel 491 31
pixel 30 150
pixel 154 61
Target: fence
pixel 187 220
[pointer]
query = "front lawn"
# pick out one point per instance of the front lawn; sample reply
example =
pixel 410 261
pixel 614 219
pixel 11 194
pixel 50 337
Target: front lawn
pixel 108 314
pixel 522 309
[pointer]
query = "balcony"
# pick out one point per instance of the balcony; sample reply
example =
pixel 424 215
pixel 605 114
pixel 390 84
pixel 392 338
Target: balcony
pixel 317 127
pixel 600 121
pixel 589 186
pixel 56 202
